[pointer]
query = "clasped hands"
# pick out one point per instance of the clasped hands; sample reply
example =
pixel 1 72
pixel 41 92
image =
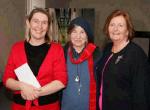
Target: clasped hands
pixel 29 92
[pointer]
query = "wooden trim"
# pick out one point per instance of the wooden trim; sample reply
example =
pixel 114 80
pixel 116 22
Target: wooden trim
pixel 142 34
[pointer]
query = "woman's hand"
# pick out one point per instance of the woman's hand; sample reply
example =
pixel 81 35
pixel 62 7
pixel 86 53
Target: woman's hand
pixel 28 92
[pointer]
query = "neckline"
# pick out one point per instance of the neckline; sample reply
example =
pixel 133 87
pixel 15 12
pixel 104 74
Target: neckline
pixel 40 45
pixel 44 61
pixel 122 50
pixel 36 46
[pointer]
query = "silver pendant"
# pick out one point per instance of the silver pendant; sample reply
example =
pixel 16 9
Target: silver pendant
pixel 79 91
pixel 77 79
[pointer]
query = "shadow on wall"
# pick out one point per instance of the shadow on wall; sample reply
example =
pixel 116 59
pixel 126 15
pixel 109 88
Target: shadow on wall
pixel 144 35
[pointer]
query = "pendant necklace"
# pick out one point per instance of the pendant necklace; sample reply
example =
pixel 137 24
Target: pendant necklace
pixel 77 80
pixel 77 77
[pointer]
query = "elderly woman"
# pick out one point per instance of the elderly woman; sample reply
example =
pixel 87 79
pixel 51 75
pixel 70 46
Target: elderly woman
pixel 125 68
pixel 81 57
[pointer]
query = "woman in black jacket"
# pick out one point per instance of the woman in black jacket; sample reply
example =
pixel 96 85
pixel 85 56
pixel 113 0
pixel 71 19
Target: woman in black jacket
pixel 125 67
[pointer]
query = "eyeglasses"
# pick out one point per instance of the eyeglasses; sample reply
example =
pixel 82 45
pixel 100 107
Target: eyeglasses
pixel 36 21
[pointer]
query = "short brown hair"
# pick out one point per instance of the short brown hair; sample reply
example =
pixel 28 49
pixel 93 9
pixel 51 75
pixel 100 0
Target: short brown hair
pixel 127 19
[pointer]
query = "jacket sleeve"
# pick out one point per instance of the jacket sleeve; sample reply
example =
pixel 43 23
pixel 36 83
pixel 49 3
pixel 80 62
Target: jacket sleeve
pixel 140 82
pixel 9 68
pixel 59 65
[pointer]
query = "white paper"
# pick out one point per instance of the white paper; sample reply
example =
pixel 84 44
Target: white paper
pixel 25 74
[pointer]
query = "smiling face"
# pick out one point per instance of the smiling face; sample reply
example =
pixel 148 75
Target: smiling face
pixel 117 29
pixel 38 26
pixel 78 37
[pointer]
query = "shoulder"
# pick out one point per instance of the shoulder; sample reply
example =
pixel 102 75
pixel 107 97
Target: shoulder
pixel 56 45
pixel 136 49
pixel 18 45
pixel 56 48
pixel 136 54
pixel 135 46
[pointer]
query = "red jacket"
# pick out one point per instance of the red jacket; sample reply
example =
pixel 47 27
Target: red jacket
pixel 52 68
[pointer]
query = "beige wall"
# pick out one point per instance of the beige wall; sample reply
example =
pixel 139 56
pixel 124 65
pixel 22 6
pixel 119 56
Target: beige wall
pixel 57 3
pixel 12 15
pixel 138 9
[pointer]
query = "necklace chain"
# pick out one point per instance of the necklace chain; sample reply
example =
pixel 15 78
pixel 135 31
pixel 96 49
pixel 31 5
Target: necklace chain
pixel 77 79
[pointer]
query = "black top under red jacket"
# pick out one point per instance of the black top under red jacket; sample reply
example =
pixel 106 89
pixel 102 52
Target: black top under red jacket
pixel 52 68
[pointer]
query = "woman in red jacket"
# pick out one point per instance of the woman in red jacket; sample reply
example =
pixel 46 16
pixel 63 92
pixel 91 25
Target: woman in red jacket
pixel 46 61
